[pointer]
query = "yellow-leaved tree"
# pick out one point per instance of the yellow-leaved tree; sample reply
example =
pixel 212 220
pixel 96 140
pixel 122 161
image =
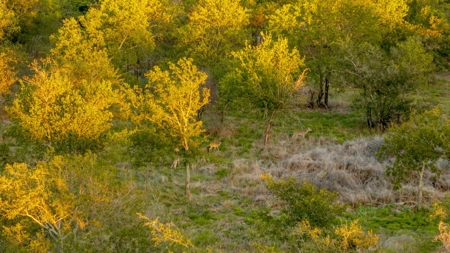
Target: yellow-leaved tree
pixel 56 111
pixel 266 75
pixel 39 205
pixel 127 27
pixel 7 20
pixel 82 53
pixel 171 100
pixel 214 29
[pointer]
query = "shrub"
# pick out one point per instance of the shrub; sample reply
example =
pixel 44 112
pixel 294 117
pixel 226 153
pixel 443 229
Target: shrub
pixel 345 238
pixel 305 201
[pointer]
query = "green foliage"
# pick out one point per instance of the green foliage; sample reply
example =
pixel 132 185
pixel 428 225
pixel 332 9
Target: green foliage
pixel 386 81
pixel 148 145
pixel 417 145
pixel 222 173
pixel 306 202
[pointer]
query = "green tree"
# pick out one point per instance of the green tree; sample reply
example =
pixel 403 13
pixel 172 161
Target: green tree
pixel 267 75
pixel 417 145
pixel 316 28
pixel 386 80
pixel 305 202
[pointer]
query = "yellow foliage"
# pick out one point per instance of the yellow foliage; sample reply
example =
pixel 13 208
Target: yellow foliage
pixel 51 106
pixel 7 19
pixel 7 74
pixel 215 27
pixel 172 99
pixel 82 54
pixel 162 232
pixel 346 237
pixel 444 235
pixel 440 211
pixel 39 195
pixel 266 177
pixel 125 29
pixel 352 236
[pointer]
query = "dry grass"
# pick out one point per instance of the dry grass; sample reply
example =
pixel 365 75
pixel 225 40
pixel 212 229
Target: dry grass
pixel 351 168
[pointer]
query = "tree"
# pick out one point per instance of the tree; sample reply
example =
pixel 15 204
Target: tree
pixel 267 75
pixel 82 53
pixel 8 20
pixel 54 109
pixel 171 100
pixel 7 73
pixel 214 29
pixel 115 33
pixel 177 98
pixel 316 27
pixel 417 145
pixel 386 80
pixel 37 196
pixel 127 28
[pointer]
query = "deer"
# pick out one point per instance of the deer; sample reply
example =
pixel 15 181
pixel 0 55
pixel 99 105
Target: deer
pixel 175 163
pixel 213 145
pixel 301 132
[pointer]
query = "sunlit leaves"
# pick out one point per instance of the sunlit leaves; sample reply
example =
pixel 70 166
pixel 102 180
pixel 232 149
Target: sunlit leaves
pixel 215 28
pixel 125 26
pixel 7 73
pixel 51 107
pixel 172 99
pixel 7 20
pixel 39 194
pixel 267 74
pixel 162 233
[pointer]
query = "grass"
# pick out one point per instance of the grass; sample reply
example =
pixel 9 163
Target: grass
pixel 393 221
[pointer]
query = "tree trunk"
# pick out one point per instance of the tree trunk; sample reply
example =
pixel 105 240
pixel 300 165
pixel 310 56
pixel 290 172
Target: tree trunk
pixel 327 87
pixel 419 201
pixel 269 126
pixel 188 182
pixel 311 98
pixel 320 93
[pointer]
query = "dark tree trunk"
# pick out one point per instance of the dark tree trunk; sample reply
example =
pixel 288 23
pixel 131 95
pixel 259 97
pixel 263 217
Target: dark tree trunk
pixel 320 93
pixel 311 98
pixel 327 88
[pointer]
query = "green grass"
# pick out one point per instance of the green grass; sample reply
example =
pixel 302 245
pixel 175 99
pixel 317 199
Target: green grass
pixel 397 221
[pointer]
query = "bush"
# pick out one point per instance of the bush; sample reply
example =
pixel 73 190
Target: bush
pixel 306 202
pixel 345 238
